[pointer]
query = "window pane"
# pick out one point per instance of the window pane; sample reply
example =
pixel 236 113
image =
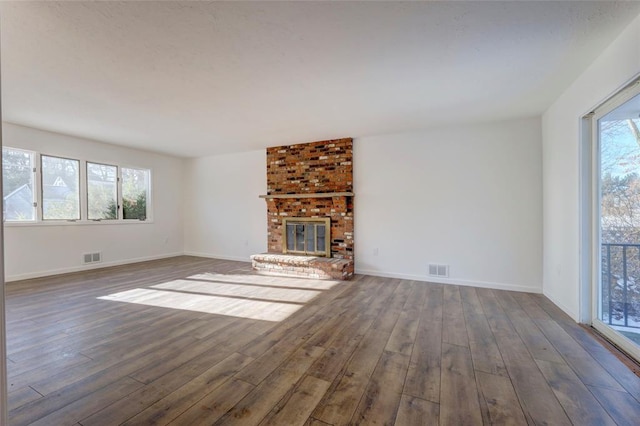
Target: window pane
pixel 17 185
pixel 311 238
pixel 135 193
pixel 321 237
pixel 60 188
pixel 619 295
pixel 300 237
pixel 290 238
pixel 102 191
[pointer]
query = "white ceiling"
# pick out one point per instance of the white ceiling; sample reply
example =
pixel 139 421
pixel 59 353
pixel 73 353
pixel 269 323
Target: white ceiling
pixel 201 78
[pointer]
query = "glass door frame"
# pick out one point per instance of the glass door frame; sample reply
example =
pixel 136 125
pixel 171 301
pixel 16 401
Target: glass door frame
pixel 618 99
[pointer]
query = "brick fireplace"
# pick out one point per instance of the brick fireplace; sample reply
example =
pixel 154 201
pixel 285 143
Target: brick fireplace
pixel 309 182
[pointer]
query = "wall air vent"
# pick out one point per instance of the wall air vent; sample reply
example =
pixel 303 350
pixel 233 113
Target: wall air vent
pixel 91 257
pixel 438 270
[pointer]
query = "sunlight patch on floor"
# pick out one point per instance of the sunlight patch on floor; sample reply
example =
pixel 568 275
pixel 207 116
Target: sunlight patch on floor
pixel 236 307
pixel 294 295
pixel 304 283
pixel 239 295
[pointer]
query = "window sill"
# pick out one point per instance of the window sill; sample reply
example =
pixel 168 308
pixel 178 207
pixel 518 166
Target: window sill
pixel 77 223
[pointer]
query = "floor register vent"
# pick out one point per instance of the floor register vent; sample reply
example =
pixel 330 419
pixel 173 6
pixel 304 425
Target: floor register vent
pixel 438 270
pixel 91 257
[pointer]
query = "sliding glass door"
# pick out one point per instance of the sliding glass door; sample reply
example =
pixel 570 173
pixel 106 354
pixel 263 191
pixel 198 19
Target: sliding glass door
pixel 616 310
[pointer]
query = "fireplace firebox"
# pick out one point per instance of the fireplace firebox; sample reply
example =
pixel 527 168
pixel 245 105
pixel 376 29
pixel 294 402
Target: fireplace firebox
pixel 309 236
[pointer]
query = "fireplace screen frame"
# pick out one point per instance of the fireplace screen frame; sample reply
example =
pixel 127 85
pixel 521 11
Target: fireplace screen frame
pixel 307 223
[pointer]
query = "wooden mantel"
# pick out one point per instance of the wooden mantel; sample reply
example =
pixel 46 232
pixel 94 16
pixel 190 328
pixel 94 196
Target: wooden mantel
pixel 308 195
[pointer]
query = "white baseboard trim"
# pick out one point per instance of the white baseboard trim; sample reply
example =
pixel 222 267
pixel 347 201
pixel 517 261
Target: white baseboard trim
pixel 574 315
pixel 99 265
pixel 470 283
pixel 217 256
pixel 426 278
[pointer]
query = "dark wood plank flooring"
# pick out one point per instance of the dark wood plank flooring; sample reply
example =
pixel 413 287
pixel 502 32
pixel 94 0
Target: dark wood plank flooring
pixel 192 341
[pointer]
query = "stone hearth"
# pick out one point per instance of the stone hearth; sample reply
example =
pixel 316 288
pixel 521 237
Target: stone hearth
pixel 303 266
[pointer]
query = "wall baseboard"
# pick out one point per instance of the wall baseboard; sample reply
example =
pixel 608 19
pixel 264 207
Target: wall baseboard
pixel 470 283
pixel 425 278
pixel 574 315
pixel 99 265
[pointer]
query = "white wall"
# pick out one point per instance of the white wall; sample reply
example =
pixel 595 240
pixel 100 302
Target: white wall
pixel 561 165
pixel 468 196
pixel 38 250
pixel 224 217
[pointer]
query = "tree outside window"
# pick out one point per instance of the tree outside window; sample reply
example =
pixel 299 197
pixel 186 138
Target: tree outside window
pixel 135 193
pixel 102 191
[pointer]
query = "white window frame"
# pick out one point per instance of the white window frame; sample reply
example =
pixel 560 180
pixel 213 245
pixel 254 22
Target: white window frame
pixel 591 202
pixel 41 192
pixel 35 158
pixel 83 194
pixel 118 190
pixel 149 202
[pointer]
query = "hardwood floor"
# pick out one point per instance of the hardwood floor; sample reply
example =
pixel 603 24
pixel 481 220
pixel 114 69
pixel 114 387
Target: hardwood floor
pixel 191 341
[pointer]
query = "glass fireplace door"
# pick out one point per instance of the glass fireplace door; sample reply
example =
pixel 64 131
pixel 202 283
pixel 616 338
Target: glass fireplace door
pixel 306 236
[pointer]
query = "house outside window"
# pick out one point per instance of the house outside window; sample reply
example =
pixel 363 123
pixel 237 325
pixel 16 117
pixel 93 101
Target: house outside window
pixel 18 190
pixel 60 188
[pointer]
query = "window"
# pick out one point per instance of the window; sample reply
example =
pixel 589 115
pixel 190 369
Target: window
pixel 102 191
pixel 615 226
pixel 135 193
pixel 60 188
pixel 70 190
pixel 18 185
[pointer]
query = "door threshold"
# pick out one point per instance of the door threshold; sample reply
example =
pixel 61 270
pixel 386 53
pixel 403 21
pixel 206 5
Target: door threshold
pixel 618 352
